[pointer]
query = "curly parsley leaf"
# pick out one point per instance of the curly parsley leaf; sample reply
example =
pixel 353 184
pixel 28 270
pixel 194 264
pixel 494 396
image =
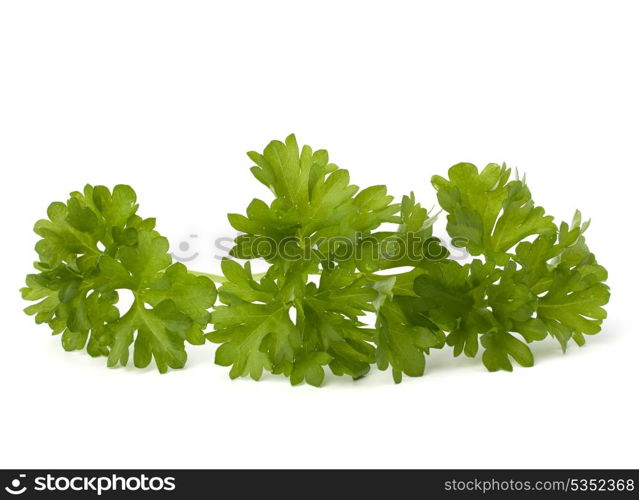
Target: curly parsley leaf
pixel 569 282
pixel 487 212
pixel 455 300
pixel 94 245
pixel 257 334
pixel 402 343
pixel 550 285
pixel 314 203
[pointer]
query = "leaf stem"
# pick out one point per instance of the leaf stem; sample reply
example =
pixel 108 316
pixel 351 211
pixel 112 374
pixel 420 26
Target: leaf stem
pixel 222 279
pixel 213 277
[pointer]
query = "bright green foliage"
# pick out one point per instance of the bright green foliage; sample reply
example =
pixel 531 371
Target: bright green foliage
pixel 487 212
pixel 562 267
pixel 402 342
pixel 95 245
pixel 257 333
pixel 454 297
pixel 314 202
pixel 536 278
pixel 353 279
pixel 321 225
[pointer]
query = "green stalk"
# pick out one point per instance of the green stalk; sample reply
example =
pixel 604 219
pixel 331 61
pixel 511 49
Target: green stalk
pixel 222 279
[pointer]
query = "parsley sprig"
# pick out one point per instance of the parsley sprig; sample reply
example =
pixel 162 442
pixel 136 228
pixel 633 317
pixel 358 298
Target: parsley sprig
pixel 327 300
pixel 94 245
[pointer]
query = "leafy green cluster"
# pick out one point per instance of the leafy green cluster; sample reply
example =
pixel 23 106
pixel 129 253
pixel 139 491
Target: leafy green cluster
pixel 535 278
pixel 353 280
pixel 94 245
pixel 316 217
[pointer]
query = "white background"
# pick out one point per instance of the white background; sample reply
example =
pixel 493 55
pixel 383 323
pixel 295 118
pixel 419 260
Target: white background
pixel 167 96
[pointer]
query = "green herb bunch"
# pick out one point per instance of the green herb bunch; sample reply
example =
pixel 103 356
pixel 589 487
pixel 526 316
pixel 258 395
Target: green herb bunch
pixel 354 279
